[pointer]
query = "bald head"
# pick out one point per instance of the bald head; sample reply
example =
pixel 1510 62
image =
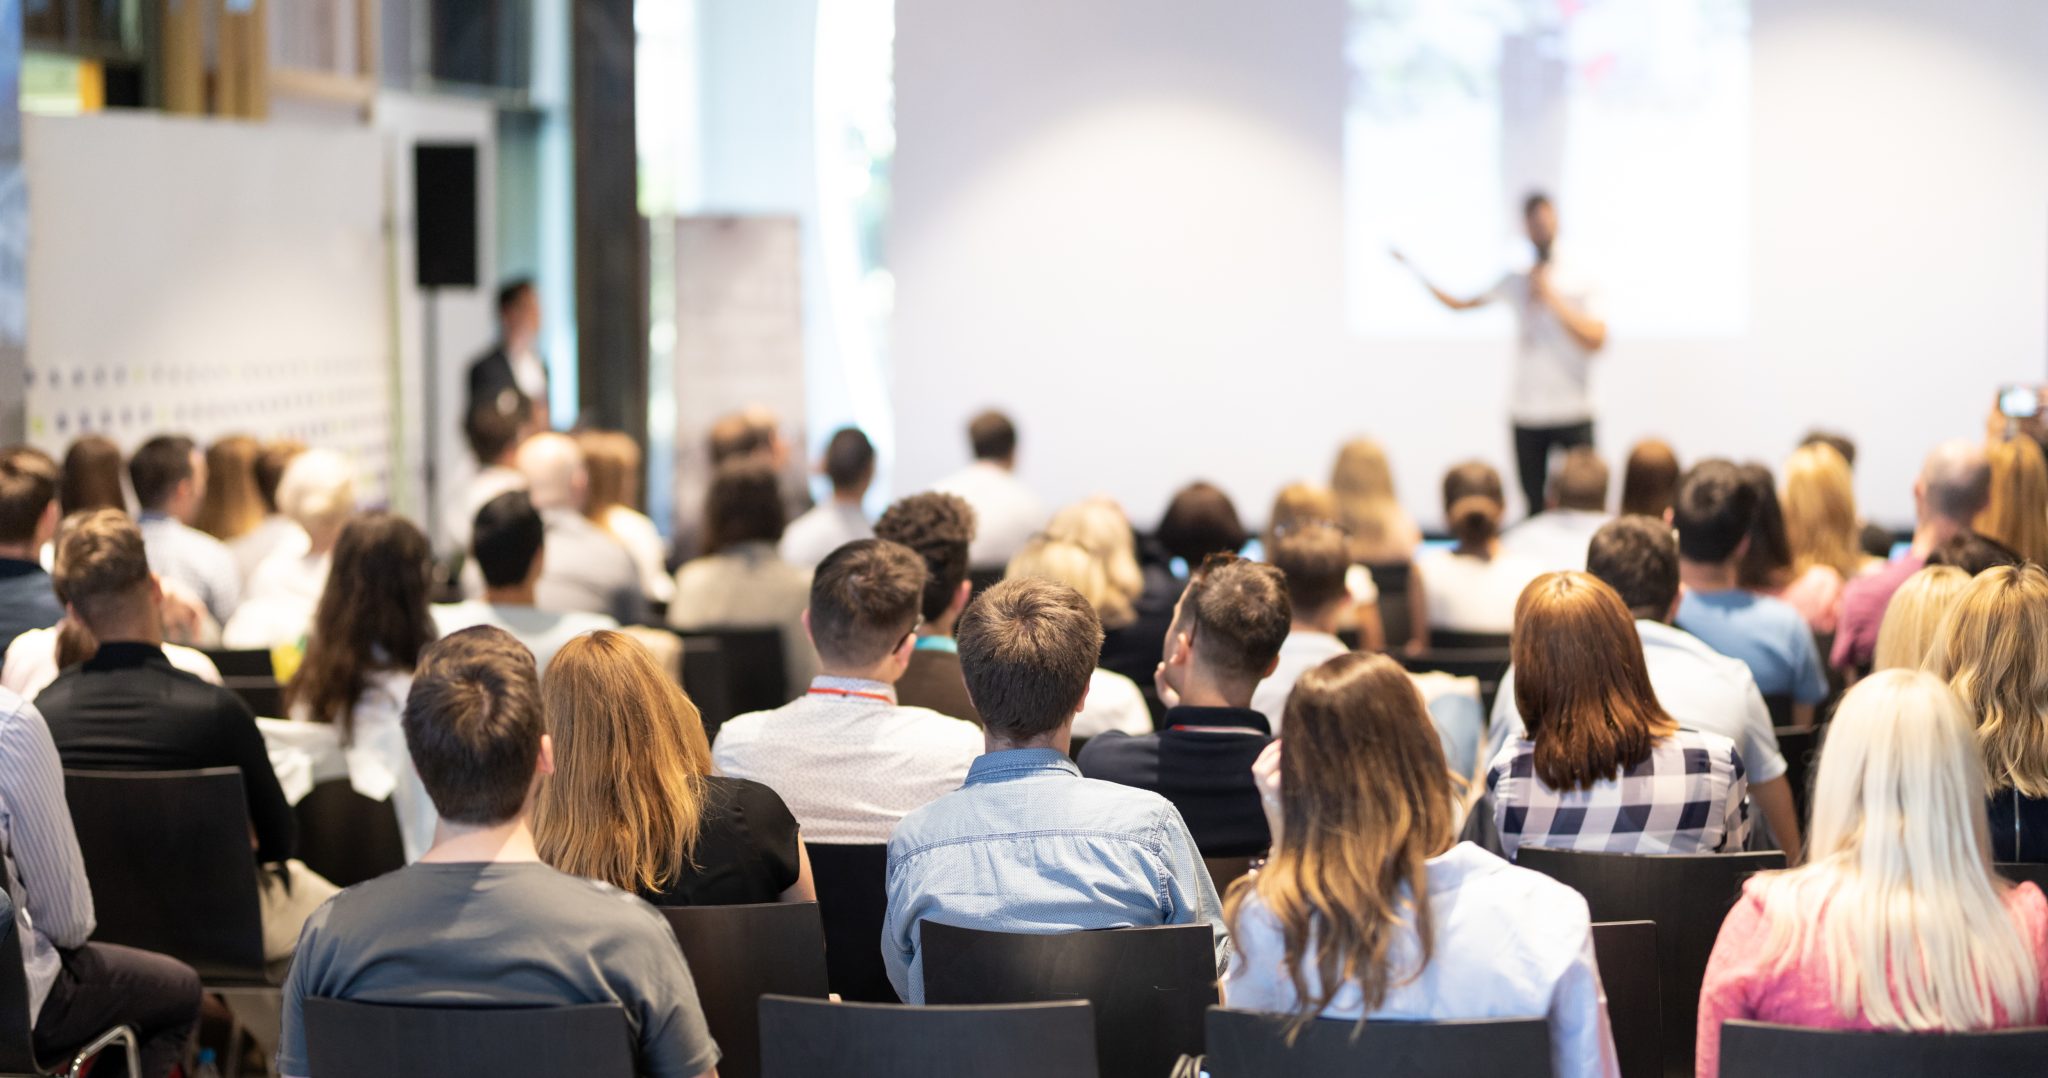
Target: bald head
pixel 553 467
pixel 1955 483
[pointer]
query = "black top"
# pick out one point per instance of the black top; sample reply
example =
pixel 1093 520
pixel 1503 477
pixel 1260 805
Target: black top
pixel 1135 649
pixel 933 680
pixel 490 376
pixel 128 709
pixel 746 849
pixel 1202 762
pixel 2019 828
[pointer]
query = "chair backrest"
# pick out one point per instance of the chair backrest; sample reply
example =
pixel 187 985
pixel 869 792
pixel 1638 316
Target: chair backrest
pixel 17 1042
pixel 167 854
pixel 1780 707
pixel 242 662
pixel 2036 874
pixel 807 1038
pixel 1150 986
pixel 1246 1044
pixel 1395 581
pixel 1223 871
pixel 1755 1048
pixel 345 836
pixel 755 675
pixel 853 899
pixel 704 679
pixel 1453 640
pixel 1801 748
pixel 1627 955
pixel 737 954
pixel 250 674
pixel 345 1038
pixel 1688 895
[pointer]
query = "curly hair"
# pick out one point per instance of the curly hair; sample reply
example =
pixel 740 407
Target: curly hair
pixel 940 527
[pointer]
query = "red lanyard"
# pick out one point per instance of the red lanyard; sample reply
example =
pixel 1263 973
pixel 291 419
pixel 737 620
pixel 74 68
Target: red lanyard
pixel 853 692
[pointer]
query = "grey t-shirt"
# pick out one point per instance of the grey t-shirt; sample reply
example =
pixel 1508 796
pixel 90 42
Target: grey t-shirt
pixel 503 935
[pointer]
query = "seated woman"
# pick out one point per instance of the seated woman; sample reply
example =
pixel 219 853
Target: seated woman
pixel 741 582
pixel 318 492
pixel 612 502
pixel 1602 766
pixel 1384 539
pixel 1135 619
pixel 1912 620
pixel 1822 533
pixel 1472 587
pixel 1896 920
pixel 1114 701
pixel 633 802
pixel 347 697
pixel 1331 928
pixel 1992 649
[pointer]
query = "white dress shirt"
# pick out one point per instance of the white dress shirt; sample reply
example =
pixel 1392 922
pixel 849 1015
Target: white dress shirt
pixel 45 871
pixel 1474 595
pixel 1555 539
pixel 1509 943
pixel 848 760
pixel 542 631
pixel 279 603
pixel 1006 513
pixel 1114 703
pixel 277 532
pixel 32 663
pixel 376 762
pixel 1551 373
pixel 643 541
pixel 1302 651
pixel 822 529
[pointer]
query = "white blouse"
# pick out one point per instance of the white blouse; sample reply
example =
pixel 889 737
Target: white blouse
pixel 376 762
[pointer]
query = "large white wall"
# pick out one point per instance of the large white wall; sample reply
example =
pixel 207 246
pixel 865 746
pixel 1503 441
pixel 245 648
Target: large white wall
pixel 1124 222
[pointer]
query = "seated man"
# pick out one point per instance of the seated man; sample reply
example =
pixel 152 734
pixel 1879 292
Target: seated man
pixel 1028 845
pixel 479 920
pixel 1954 485
pixel 1006 513
pixel 1314 561
pixel 940 527
pixel 1226 638
pixel 28 518
pixel 1575 508
pixel 823 528
pixel 847 757
pixel 509 546
pixel 168 473
pixel 591 572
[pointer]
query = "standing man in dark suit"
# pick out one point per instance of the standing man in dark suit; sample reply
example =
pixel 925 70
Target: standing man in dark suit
pixel 512 370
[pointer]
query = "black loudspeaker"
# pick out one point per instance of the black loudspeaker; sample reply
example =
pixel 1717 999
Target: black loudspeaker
pixel 444 214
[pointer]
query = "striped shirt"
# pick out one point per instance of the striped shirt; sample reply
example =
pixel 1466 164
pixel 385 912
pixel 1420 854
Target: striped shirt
pixel 45 872
pixel 1685 797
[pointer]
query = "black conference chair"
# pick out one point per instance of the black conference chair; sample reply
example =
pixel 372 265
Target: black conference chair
pixel 1756 1050
pixel 346 837
pixel 853 900
pixel 1779 705
pixel 1150 986
pixel 1801 748
pixel 249 674
pixel 2036 874
pixel 806 1038
pixel 756 677
pixel 1245 1044
pixel 737 954
pixel 1223 871
pixel 345 1039
pixel 1687 895
pixel 1453 640
pixel 17 1040
pixel 980 580
pixel 1627 954
pixel 704 679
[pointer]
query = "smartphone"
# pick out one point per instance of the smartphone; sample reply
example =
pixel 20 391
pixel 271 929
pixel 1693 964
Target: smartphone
pixel 2019 402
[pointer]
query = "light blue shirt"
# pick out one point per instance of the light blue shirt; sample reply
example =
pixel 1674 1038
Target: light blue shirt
pixel 938 643
pixel 194 559
pixel 1028 845
pixel 1765 633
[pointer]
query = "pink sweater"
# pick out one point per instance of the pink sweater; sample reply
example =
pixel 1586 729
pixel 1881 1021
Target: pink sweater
pixel 1740 984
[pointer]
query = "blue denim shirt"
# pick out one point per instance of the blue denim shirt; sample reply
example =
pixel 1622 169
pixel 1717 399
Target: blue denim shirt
pixel 1028 845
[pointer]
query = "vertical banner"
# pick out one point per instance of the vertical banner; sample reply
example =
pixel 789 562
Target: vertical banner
pixel 13 233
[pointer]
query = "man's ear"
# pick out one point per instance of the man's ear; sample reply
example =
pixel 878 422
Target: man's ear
pixel 960 596
pixel 808 634
pixel 904 648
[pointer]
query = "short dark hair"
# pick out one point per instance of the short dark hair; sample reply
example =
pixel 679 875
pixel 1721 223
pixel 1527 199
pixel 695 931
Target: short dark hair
pixel 1840 443
pixel 158 467
pixel 28 484
pixel 1580 482
pixel 849 458
pixel 744 505
pixel 940 527
pixel 1028 649
pixel 1200 521
pixel 1238 614
pixel 1714 511
pixel 992 436
pixel 1534 199
pixel 473 724
pixel 1973 553
pixel 1637 557
pixel 492 429
pixel 507 536
pixel 1314 559
pixel 510 293
pixel 865 598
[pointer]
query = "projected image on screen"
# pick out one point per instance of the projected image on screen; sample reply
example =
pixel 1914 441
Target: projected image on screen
pixel 1632 114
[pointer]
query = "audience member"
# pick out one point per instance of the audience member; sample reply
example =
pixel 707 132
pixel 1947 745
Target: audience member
pixel 169 476
pixel 28 521
pixel 1819 507
pixel 1305 505
pixel 1766 563
pixel 849 465
pixel 1226 638
pixel 613 459
pixel 1148 591
pixel 1896 921
pixel 275 531
pixel 128 709
pixel 847 758
pixel 1875 541
pixel 1992 649
pixel 591 572
pixel 1027 844
pixel 1912 621
pixel 1114 701
pixel 1716 516
pixel 1006 513
pixel 1973 553
pixel 741 582
pixel 481 918
pixel 1384 539
pixel 1700 688
pixel 1312 561
pixel 367 633
pixel 1603 767
pixel 940 528
pixel 1573 510
pixel 1649 481
pixel 231 508
pixel 92 476
pixel 510 549
pixel 317 493
pixel 1200 520
pixel 2017 514
pixel 633 801
pixel 1331 926
pixel 1953 487
pixel 1472 587
pixel 493 438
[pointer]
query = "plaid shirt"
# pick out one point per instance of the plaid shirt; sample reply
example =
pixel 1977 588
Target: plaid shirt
pixel 1685 797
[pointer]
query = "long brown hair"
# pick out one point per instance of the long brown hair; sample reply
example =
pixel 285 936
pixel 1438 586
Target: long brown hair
pixel 1581 683
pixel 1365 802
pixel 232 506
pixel 1650 479
pixel 92 476
pixel 627 797
pixel 373 615
pixel 2017 514
pixel 612 460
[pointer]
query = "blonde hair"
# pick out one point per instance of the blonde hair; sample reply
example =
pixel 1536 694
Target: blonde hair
pixel 1915 936
pixel 1099 526
pixel 612 459
pixel 232 505
pixel 2017 514
pixel 1297 506
pixel 627 798
pixel 1067 562
pixel 1819 506
pixel 318 490
pixel 1993 650
pixel 1913 618
pixel 1362 483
